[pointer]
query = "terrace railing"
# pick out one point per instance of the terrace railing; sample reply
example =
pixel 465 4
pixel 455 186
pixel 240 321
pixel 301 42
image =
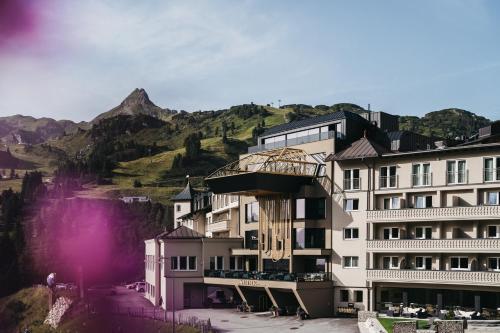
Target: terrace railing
pixel 270 276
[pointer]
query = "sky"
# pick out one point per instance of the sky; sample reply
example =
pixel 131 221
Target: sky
pixel 76 59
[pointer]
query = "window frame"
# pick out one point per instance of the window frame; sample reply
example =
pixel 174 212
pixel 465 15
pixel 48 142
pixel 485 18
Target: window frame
pixel 391 262
pixel 456 172
pixel 387 176
pixel 216 263
pixel 424 268
pixel 424 228
pixel 351 230
pixel 251 206
pixel 390 233
pixel 350 266
pixel 495 174
pixel 391 203
pixel 497 234
pixel 424 201
pixel 357 293
pixel 497 202
pixel 421 173
pixel 236 266
pixel 497 259
pixel 344 292
pixel 459 263
pixel 177 261
pixel 350 180
pixel 353 201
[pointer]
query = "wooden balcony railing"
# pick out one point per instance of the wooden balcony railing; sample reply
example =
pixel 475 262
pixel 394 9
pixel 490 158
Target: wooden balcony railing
pixel 433 214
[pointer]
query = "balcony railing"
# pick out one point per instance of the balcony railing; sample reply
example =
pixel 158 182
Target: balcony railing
pixel 460 177
pixel 388 181
pixel 421 179
pixel 269 276
pixel 434 245
pixel 435 276
pixel 352 184
pixel 491 174
pixel 431 214
pixel 220 225
pixel 293 142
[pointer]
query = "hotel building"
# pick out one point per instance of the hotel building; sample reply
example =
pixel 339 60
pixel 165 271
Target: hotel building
pixel 336 211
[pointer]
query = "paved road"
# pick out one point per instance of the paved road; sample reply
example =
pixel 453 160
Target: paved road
pixel 229 320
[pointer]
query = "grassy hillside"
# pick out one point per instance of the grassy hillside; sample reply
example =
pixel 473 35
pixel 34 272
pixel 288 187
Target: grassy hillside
pixel 447 123
pixel 26 308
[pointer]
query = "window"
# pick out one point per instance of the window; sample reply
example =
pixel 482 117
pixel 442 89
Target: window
pixel 494 264
pixel 423 201
pixel 456 172
pixel 391 233
pixel 423 263
pixel 491 169
pixel 391 203
pixel 351 205
pixel 344 295
pixel 492 198
pixel 459 263
pixel 494 231
pixel 252 212
pixel 251 239
pixel 421 174
pixel 183 263
pixel 310 208
pixel 390 262
pixel 358 296
pixel 388 176
pixel 236 263
pixel 300 208
pixel 178 208
pixel 423 232
pixel 351 179
pixel 351 233
pixel 351 262
pixel 217 263
pixel 309 238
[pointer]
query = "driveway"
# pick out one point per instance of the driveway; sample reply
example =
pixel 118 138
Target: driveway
pixel 229 320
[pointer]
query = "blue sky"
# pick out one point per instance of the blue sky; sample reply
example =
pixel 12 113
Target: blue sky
pixel 403 57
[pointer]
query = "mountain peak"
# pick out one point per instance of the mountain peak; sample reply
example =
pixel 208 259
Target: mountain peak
pixel 138 96
pixel 137 102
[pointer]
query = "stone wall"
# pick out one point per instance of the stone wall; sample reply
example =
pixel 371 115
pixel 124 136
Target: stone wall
pixel 449 326
pixel 364 315
pixel 405 327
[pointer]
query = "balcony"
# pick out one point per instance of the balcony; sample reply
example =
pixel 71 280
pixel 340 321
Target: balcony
pixel 491 175
pixel 388 182
pixel 421 179
pixel 218 226
pixel 434 277
pixel 434 214
pixel 478 245
pixel 352 184
pixel 293 142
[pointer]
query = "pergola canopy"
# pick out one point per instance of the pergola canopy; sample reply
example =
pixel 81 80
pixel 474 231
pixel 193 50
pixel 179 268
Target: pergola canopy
pixel 281 170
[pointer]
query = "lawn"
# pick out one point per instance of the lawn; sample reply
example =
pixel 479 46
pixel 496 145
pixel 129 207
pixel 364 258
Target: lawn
pixel 387 323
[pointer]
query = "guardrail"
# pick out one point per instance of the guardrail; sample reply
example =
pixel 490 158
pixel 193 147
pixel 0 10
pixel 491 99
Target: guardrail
pixel 438 213
pixel 438 245
pixel 435 276
pixel 270 276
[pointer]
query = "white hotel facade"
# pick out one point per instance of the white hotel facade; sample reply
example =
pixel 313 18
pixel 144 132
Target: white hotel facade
pixel 352 214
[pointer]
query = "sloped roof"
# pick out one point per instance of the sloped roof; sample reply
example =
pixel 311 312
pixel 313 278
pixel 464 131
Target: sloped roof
pixel 182 232
pixel 185 195
pixel 362 148
pixel 311 121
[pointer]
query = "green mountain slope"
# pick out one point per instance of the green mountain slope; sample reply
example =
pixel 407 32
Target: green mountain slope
pixel 446 123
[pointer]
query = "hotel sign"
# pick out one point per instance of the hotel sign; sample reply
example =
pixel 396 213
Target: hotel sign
pixel 250 283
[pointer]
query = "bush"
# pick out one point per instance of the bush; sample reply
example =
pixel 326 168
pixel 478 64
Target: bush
pixel 137 183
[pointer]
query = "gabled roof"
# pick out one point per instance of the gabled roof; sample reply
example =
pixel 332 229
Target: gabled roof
pixel 186 194
pixel 362 148
pixel 182 232
pixel 311 121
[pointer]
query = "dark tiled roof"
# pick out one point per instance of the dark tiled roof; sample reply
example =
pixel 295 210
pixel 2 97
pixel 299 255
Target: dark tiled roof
pixel 182 232
pixel 395 135
pixel 311 121
pixel 186 194
pixel 362 148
